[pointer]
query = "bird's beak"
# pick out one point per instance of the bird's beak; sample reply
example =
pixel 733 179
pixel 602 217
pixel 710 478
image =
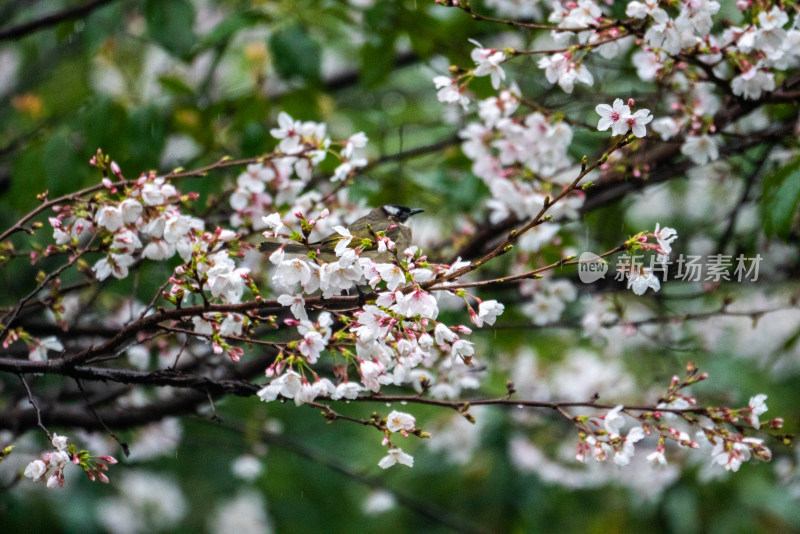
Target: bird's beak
pixel 415 211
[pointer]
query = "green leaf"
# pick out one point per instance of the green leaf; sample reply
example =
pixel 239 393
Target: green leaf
pixel 779 199
pixel 170 25
pixel 294 53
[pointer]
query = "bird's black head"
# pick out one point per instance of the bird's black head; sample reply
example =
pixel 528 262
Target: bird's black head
pixel 399 213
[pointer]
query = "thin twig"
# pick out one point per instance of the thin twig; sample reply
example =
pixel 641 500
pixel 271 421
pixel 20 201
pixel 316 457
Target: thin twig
pixel 35 406
pixel 122 444
pixel 538 219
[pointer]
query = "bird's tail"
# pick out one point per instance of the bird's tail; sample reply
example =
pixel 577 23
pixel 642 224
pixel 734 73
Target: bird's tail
pixel 271 246
pixel 289 248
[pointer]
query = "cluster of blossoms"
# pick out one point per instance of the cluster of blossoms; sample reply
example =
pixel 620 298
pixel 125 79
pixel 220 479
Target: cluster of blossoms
pixel 602 437
pixel 695 110
pixel 639 277
pixel 51 465
pixel 549 299
pixel 754 51
pixel 504 148
pixel 487 60
pixel 730 449
pixel 145 221
pixel 284 178
pixel 610 440
pixel 402 423
pixel 398 340
pixel 673 45
pixel 621 119
pixel 148 211
pixel 562 68
pixel 392 335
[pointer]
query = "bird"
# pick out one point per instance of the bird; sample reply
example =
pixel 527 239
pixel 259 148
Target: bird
pixel 388 218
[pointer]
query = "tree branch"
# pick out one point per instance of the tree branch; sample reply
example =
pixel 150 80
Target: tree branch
pixel 15 32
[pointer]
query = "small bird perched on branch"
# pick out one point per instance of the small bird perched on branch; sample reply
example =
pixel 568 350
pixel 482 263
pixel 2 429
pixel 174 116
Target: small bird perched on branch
pixel 388 219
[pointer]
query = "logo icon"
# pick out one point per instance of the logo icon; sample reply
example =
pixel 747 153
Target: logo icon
pixel 591 267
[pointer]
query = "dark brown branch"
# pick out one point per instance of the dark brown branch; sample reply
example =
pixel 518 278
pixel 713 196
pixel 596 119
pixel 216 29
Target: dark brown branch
pixel 58 413
pixel 52 19
pixel 20 420
pixel 161 378
pixel 462 405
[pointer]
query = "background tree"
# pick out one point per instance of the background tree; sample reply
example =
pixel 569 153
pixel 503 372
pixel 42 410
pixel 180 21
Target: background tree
pixel 147 146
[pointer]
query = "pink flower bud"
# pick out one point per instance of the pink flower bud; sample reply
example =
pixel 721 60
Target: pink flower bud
pixel 776 423
pixel 235 353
